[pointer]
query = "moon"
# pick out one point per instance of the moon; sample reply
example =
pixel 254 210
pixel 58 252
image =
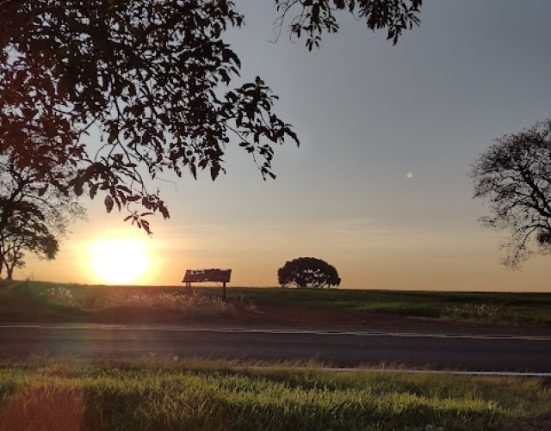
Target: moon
pixel 409 175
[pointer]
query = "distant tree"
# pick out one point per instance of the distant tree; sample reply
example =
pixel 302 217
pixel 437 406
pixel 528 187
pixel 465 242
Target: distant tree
pixel 514 176
pixel 33 215
pixel 157 79
pixel 308 272
pixel 26 231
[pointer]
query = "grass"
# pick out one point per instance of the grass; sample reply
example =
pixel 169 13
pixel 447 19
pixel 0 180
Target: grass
pixel 31 301
pixel 175 394
pixel 492 307
pixel 186 394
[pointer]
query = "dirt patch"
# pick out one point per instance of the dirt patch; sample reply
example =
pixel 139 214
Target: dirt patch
pixel 368 321
pixel 42 409
pixel 302 317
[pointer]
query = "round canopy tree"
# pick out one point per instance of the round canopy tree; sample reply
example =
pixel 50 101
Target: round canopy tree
pixel 514 176
pixel 308 272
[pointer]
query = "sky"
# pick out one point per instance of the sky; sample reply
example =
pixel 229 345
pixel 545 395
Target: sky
pixel 379 186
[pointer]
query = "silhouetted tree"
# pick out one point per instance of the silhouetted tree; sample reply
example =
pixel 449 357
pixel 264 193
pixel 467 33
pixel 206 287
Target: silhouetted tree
pixel 514 176
pixel 308 272
pixel 156 78
pixel 33 214
pixel 26 231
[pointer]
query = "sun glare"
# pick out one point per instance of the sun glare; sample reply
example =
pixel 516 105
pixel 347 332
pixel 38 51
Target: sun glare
pixel 119 260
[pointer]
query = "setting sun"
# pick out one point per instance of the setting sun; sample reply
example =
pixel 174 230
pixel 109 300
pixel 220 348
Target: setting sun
pixel 119 260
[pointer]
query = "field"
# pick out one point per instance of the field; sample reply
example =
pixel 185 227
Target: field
pixel 490 307
pixel 38 301
pixel 175 394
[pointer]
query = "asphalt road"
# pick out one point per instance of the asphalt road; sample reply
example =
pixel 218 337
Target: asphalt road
pixel 343 349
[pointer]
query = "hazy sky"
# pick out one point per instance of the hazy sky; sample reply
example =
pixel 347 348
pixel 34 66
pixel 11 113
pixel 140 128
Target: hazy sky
pixel 379 186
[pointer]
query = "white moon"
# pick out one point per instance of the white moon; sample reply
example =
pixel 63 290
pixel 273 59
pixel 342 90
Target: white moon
pixel 409 175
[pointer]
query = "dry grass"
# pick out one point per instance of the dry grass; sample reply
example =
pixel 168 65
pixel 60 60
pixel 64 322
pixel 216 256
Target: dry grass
pixel 105 298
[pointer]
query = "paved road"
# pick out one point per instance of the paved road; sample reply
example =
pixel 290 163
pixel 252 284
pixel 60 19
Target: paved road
pixel 486 353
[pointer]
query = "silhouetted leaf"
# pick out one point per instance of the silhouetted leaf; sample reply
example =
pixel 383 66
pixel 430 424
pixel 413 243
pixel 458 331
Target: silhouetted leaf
pixel 155 78
pixel 108 201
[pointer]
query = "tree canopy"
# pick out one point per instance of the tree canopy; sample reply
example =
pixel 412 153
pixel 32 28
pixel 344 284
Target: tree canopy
pixel 159 82
pixel 33 215
pixel 514 176
pixel 26 231
pixel 308 272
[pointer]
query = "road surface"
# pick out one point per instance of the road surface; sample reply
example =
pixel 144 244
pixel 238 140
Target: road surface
pixel 337 348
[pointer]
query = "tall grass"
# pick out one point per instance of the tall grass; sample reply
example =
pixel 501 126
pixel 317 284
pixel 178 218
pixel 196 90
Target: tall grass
pixel 94 302
pixel 187 395
pixel 102 298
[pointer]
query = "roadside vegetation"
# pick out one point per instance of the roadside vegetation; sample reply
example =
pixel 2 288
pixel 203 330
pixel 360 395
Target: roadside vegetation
pixel 32 301
pixel 175 394
pixel 39 301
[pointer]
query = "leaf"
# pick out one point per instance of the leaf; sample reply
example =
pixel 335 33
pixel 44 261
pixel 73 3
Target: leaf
pixel 108 201
pixel 93 190
pixel 145 226
pixel 43 190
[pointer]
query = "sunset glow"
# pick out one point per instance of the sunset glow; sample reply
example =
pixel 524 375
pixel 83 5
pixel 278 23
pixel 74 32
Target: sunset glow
pixel 380 185
pixel 119 260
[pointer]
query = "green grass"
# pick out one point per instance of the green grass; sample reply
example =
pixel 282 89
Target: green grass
pixel 477 306
pixel 198 395
pixel 31 301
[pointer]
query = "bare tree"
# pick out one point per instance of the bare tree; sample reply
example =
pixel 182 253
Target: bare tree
pixel 514 176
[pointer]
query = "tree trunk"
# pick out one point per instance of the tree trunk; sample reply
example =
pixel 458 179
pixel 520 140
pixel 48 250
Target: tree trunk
pixel 10 272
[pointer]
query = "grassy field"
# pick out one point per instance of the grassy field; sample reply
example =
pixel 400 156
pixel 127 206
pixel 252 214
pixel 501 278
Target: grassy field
pixel 30 300
pixel 189 395
pixel 477 306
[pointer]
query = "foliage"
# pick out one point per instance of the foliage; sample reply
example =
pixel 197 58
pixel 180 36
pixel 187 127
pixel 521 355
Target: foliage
pixel 514 176
pixel 32 215
pixel 175 394
pixel 308 272
pixel 156 78
pixel 319 16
